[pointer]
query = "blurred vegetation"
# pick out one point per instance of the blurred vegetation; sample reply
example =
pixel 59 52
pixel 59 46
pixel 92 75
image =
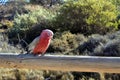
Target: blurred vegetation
pixel 115 2
pixel 98 45
pixel 25 74
pixel 9 10
pixel 47 3
pixel 25 24
pixel 77 27
pixel 8 23
pixel 66 42
pixel 87 17
pixel 79 16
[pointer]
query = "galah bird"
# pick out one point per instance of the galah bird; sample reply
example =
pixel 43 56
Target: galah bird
pixel 41 43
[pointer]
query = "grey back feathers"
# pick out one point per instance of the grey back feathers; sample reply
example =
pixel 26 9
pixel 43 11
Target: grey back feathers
pixel 31 46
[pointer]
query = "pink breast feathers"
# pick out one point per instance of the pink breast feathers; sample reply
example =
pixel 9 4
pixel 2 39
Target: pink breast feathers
pixel 44 42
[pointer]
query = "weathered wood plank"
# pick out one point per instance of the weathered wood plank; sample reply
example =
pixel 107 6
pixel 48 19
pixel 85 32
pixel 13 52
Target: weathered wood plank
pixel 61 62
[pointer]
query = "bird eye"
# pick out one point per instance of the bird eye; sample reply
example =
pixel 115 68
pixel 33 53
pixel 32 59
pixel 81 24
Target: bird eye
pixel 49 34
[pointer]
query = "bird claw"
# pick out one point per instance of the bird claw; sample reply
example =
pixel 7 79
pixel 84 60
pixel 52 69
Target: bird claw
pixel 38 54
pixel 41 54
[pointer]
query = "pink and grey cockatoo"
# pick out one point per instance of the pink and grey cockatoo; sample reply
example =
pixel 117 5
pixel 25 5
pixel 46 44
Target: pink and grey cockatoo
pixel 41 43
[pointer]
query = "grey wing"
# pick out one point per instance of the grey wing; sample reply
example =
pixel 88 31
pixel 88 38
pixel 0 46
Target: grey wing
pixel 32 45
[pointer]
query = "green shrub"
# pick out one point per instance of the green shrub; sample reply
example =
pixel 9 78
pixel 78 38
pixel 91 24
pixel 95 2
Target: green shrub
pixel 47 2
pixel 99 45
pixel 66 42
pixel 9 10
pixel 8 23
pixel 87 16
pixel 116 3
pixel 25 22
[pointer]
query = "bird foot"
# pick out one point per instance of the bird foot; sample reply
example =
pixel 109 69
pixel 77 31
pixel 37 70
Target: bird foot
pixel 41 54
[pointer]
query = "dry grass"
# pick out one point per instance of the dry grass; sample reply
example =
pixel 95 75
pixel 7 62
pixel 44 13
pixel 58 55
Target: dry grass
pixel 5 47
pixel 23 74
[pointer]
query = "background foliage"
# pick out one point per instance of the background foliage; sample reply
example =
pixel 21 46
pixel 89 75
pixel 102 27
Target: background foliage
pixel 77 25
pixel 87 16
pixel 25 24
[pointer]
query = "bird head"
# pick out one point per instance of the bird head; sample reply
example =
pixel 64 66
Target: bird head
pixel 47 34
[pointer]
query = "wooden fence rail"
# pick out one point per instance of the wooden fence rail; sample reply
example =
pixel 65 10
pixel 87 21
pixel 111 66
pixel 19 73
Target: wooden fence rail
pixel 61 62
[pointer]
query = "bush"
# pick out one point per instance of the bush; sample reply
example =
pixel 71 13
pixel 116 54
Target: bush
pixel 47 2
pixel 8 23
pixel 111 48
pixel 116 2
pixel 87 17
pixel 87 47
pixel 9 10
pixel 98 45
pixel 25 22
pixel 66 42
pixel 58 75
